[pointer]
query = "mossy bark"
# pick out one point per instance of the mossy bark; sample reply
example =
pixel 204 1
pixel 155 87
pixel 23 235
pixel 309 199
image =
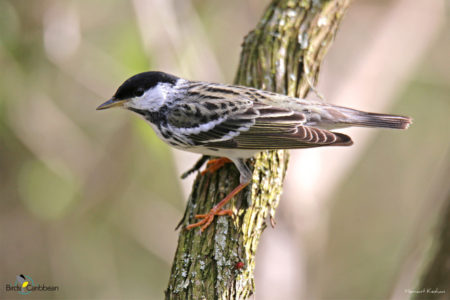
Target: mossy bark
pixel 282 54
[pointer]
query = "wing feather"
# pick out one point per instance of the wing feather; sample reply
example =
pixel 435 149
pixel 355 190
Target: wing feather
pixel 232 117
pixel 304 137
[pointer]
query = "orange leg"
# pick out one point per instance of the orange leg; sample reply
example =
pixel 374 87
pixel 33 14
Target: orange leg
pixel 217 210
pixel 215 164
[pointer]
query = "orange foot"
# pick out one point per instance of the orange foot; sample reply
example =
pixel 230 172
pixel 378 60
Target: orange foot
pixel 216 210
pixel 215 164
pixel 208 218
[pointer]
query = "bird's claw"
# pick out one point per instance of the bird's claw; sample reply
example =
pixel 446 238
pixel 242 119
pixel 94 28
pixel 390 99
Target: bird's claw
pixel 217 210
pixel 208 218
pixel 215 164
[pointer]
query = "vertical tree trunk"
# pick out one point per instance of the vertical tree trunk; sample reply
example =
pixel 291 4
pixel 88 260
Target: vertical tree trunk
pixel 282 54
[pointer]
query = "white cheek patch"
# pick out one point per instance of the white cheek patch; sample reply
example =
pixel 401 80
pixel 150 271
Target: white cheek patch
pixel 152 99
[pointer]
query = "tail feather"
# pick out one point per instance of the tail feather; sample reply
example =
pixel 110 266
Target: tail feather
pixel 382 120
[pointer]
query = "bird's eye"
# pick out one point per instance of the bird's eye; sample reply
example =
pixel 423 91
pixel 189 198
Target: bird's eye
pixel 139 92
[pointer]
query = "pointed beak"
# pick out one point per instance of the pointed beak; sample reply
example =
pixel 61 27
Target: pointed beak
pixel 111 103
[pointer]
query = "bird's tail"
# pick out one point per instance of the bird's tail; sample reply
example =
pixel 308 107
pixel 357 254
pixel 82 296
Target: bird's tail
pixel 343 117
pixel 381 120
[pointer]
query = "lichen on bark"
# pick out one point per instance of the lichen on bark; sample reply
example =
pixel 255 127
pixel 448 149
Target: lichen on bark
pixel 282 54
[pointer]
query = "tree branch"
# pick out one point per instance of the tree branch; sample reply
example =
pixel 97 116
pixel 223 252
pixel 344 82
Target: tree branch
pixel 282 54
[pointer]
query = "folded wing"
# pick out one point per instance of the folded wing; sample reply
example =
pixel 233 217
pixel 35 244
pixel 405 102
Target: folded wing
pixel 228 117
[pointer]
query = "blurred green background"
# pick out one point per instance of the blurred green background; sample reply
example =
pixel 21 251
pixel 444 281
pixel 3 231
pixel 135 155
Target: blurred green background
pixel 90 200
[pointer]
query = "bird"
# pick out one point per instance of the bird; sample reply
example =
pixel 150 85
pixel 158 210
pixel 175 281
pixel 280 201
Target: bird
pixel 22 281
pixel 235 122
